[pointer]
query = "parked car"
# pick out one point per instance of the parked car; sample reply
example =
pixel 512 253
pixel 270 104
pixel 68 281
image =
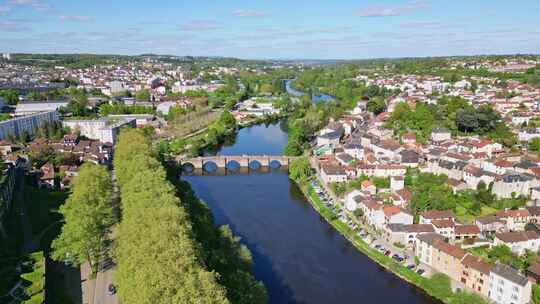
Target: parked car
pixel 387 253
pixel 411 266
pixel 420 271
pixel 377 246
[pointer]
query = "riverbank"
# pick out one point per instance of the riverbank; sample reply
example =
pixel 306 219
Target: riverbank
pixel 426 285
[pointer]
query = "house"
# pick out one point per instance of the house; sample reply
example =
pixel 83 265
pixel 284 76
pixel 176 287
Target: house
pixel 440 134
pixel 329 139
pixel 475 275
pixel 427 216
pixel 409 158
pixel 401 197
pixel 354 149
pixel 451 169
pixel 466 232
pixel 405 234
pixel 513 184
pixel 389 170
pixel 373 213
pixel 397 183
pixel 456 185
pixel 46 176
pixel 386 149
pixel 515 219
pixel 424 246
pixel 396 215
pixel 445 228
pixel 507 285
pixel 518 241
pixel 433 250
pixel 353 199
pixel 534 214
pixel 369 187
pixel 70 140
pixel 409 138
pixel 533 272
pixel 332 173
pixel 344 159
pixel 490 224
pixel 473 175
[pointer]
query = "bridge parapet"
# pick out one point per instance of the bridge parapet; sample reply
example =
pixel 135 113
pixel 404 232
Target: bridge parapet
pixel 222 161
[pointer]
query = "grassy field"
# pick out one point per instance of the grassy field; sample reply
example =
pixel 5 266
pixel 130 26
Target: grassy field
pixel 464 216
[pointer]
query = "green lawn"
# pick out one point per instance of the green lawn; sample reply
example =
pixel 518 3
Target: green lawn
pixel 480 252
pixel 465 216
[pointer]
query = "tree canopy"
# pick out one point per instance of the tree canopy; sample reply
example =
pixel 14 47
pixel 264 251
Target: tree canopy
pixel 158 259
pixel 87 217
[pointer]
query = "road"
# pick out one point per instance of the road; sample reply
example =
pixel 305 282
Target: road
pixel 99 287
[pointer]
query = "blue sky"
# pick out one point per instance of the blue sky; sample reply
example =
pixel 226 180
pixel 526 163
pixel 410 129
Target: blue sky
pixel 317 29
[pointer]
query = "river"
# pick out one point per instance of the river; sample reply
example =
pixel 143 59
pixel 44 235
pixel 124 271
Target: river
pixel 315 98
pixel 298 256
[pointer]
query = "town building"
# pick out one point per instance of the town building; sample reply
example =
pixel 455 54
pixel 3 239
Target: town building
pixel 105 130
pixel 19 126
pixel 508 286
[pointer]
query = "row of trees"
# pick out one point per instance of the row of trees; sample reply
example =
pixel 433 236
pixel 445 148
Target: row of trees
pixel 158 259
pixel 87 217
pixel 118 108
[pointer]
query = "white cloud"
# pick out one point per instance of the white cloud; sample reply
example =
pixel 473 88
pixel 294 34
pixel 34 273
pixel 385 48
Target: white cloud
pixel 76 18
pixel 394 10
pixel 200 25
pixel 39 5
pixel 249 13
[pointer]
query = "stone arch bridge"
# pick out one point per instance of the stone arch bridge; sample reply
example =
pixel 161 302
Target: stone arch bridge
pixel 243 161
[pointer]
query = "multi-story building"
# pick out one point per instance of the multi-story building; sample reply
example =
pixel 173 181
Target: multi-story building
pixel 508 286
pixel 105 130
pixel 475 275
pixel 28 124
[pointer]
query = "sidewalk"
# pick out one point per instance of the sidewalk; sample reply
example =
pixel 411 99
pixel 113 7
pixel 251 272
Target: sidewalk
pixel 95 291
pixel 88 285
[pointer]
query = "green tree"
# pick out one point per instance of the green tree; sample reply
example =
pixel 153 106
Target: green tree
pixel 143 95
pixel 87 218
pixel 11 96
pixel 300 169
pixel 376 105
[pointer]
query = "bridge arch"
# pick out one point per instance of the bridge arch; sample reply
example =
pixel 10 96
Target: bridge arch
pixel 255 165
pixel 233 165
pixel 210 166
pixel 274 164
pixel 187 167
